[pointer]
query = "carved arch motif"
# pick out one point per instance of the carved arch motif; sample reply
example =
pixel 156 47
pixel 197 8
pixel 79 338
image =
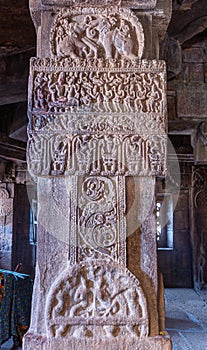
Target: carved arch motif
pixel 98 300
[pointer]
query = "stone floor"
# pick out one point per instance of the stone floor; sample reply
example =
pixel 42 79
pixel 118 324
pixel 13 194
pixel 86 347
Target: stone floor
pixel 186 319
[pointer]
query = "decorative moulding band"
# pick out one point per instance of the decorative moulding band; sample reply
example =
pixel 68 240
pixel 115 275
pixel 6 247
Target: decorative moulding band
pixel 133 4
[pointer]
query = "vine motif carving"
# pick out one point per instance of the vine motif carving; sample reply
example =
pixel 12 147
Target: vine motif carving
pixel 98 214
pixel 95 294
pixel 94 33
pixel 78 123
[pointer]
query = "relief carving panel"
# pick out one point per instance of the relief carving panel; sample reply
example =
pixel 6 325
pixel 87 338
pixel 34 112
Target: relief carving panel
pixel 96 300
pixel 132 88
pixel 105 155
pixel 199 227
pixel 112 32
pixel 102 224
pixel 97 121
pixel 6 220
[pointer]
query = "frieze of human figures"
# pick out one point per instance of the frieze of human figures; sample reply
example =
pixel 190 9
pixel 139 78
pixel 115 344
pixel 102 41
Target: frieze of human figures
pixel 106 155
pixel 94 294
pixel 91 32
pixel 98 92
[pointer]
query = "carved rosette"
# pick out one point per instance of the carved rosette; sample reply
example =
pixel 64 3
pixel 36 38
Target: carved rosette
pixel 112 32
pixel 96 300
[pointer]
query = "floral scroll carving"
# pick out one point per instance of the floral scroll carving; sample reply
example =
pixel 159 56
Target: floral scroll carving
pixel 97 33
pixel 98 214
pixel 96 300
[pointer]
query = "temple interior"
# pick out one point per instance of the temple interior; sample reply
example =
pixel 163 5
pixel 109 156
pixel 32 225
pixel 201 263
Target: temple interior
pixel 181 195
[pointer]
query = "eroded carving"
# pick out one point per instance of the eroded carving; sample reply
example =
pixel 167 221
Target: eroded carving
pixel 97 300
pixel 98 214
pixel 96 91
pixel 97 120
pixel 95 33
pixel 136 4
pixel 79 123
pixel 97 155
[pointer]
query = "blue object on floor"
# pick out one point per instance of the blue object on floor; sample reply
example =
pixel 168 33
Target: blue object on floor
pixel 15 304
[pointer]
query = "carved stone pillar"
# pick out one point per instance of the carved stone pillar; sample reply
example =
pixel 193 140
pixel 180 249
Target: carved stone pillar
pixel 6 224
pixel 198 225
pixel 97 140
pixel 11 174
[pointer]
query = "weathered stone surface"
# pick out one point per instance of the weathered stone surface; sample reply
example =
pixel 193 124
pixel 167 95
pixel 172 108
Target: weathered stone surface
pixel 87 122
pixel 155 343
pixel 97 117
pixel 199 203
pixel 6 226
pixel 138 4
pixel 200 149
pixel 191 101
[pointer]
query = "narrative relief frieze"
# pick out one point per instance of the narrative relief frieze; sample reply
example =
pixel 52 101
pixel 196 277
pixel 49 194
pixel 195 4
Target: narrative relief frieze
pixel 97 300
pixel 97 92
pixel 91 32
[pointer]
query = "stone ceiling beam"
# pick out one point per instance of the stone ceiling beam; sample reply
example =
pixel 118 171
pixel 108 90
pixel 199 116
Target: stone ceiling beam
pixel 13 76
pixel 11 149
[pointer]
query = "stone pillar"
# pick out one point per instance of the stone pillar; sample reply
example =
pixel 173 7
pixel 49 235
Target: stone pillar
pixel 199 225
pixel 7 179
pixel 6 224
pixel 97 140
pixel 11 175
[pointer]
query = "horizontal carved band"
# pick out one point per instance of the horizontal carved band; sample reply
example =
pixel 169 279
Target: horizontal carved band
pixel 97 121
pixel 97 155
pixel 104 65
pixel 135 4
pixel 91 123
pixel 136 90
